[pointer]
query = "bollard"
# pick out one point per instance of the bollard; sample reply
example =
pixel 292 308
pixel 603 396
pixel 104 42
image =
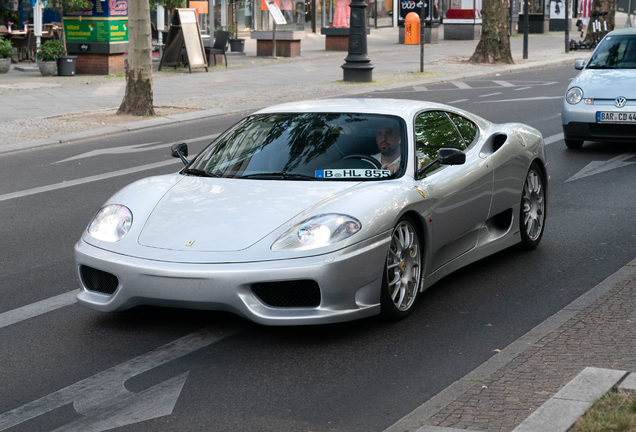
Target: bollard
pixel 412 29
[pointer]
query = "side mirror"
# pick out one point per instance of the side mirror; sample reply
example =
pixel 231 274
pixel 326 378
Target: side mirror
pixel 579 64
pixel 445 156
pixel 180 151
pixel 450 156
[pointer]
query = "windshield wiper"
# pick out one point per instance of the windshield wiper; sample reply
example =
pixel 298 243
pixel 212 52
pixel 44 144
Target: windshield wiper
pixel 199 173
pixel 278 176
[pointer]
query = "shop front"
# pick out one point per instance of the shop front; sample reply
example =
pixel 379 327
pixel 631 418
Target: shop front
pixel 538 16
pixel 462 19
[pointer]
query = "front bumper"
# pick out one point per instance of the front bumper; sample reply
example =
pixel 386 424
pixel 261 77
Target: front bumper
pixel 349 279
pixel 579 123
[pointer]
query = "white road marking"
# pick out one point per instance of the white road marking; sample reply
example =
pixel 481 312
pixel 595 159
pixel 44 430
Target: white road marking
pixel 419 88
pixel 103 400
pixel 553 138
pixel 550 83
pixel 504 83
pixel 461 84
pixel 459 100
pixel 80 181
pixel 134 148
pixel 490 94
pixel 597 167
pixel 522 88
pixel 34 309
pixel 524 99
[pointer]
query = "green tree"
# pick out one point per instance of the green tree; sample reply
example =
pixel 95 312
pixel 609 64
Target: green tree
pixel 494 44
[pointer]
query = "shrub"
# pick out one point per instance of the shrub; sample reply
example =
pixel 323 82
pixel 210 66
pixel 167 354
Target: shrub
pixel 51 50
pixel 6 50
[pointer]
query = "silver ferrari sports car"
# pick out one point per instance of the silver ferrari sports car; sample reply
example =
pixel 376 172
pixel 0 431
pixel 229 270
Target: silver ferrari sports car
pixel 319 212
pixel 600 103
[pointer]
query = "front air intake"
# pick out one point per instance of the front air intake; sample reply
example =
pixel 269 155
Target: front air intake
pixel 97 280
pixel 297 293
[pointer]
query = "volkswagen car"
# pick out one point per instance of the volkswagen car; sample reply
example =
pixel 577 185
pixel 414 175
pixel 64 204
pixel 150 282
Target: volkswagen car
pixel 600 103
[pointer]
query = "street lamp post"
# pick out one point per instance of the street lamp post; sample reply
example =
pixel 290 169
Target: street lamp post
pixel 357 67
pixel 526 25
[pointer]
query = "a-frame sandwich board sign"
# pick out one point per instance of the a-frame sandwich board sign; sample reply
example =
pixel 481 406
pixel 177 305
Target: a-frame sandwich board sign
pixel 184 33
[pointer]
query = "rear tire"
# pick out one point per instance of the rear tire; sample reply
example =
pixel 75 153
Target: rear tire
pixel 533 208
pixel 402 271
pixel 574 144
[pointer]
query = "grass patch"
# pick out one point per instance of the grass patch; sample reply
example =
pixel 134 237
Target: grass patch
pixel 614 412
pixel 122 75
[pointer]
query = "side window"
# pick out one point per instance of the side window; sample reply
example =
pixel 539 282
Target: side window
pixel 433 131
pixel 467 128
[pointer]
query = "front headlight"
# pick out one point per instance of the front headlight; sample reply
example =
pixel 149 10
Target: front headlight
pixel 319 231
pixel 574 95
pixel 111 223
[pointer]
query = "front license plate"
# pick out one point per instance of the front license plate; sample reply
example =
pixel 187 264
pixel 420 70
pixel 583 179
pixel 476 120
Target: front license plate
pixel 352 173
pixel 615 117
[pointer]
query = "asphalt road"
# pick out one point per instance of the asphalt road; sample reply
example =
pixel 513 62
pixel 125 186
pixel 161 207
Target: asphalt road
pixel 154 369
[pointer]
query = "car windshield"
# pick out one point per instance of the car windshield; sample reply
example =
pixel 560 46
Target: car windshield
pixel 307 146
pixel 615 52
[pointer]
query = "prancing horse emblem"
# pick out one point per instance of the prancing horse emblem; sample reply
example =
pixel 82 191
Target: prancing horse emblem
pixel 620 101
pixel 190 243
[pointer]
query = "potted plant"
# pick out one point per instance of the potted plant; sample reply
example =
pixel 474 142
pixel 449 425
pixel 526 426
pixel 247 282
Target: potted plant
pixel 6 51
pixel 236 44
pixel 48 55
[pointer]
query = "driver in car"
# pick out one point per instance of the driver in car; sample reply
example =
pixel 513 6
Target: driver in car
pixel 387 137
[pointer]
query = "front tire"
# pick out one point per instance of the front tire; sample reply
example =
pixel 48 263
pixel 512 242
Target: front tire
pixel 402 271
pixel 573 144
pixel 532 214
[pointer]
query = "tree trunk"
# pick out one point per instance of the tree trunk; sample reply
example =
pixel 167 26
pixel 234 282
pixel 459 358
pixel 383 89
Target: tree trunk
pixel 494 44
pixel 601 6
pixel 138 97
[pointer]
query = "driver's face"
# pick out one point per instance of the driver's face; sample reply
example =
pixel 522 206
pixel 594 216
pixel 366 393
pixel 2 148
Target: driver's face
pixel 388 141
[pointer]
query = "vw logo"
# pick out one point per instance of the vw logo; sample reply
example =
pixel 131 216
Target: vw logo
pixel 620 102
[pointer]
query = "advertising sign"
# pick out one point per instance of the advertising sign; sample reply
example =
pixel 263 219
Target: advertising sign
pixel 104 21
pixel 406 6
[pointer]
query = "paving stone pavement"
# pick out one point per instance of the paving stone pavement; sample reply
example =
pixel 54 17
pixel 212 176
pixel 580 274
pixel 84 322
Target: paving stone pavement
pixel 602 335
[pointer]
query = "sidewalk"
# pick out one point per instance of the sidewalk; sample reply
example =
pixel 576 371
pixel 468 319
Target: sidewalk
pixel 521 388
pixel 29 102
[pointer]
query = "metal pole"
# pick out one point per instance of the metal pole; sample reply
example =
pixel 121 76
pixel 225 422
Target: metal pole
pixel 526 24
pixel 628 23
pixel 567 26
pixel 357 67
pixel 274 41
pixel 422 24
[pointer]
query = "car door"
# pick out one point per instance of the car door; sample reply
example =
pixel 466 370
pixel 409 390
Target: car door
pixel 460 194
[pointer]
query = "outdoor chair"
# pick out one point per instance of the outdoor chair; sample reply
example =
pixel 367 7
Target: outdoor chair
pixel 22 41
pixel 219 47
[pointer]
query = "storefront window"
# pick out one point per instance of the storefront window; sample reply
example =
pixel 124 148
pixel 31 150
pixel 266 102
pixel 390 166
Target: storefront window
pixel 337 13
pixel 294 12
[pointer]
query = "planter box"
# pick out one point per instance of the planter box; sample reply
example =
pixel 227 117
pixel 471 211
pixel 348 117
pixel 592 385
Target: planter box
pixel 5 64
pixel 287 43
pixel 47 68
pixel 237 45
pixel 337 38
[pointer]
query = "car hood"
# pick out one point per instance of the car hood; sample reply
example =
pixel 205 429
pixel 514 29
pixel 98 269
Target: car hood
pixel 607 84
pixel 223 215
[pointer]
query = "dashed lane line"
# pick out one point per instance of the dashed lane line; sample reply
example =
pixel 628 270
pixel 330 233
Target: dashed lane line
pixel 39 308
pixel 65 184
pixel 504 83
pixel 490 94
pixel 461 84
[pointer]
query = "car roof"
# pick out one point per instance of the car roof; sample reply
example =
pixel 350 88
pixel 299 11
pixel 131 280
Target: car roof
pixel 400 107
pixel 623 31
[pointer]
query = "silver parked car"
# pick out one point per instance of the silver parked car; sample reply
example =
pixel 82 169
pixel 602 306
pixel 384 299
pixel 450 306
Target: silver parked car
pixel 319 212
pixel 600 103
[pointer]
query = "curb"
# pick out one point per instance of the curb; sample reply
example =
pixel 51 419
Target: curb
pixel 198 115
pixel 413 422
